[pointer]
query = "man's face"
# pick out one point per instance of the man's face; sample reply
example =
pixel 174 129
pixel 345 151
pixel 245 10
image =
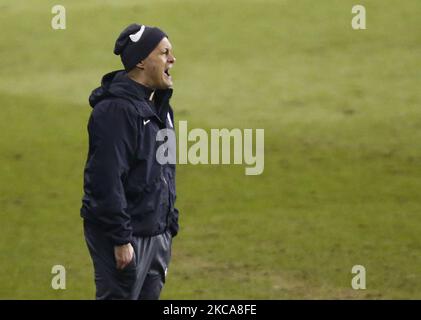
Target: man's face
pixel 157 66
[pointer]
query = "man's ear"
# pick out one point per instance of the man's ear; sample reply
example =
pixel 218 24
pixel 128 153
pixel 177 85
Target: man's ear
pixel 140 65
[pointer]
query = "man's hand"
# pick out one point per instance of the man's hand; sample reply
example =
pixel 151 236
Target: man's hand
pixel 123 255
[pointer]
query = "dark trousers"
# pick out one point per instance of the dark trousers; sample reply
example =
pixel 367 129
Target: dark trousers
pixel 142 279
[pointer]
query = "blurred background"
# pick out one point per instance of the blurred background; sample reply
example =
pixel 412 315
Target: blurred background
pixel 342 120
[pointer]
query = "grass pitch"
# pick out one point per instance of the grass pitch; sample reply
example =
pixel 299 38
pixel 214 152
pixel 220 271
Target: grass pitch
pixel 342 119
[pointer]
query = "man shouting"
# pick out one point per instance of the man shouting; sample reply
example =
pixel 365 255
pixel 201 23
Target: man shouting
pixel 128 203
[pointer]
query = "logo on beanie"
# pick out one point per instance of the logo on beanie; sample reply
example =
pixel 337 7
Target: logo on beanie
pixel 135 37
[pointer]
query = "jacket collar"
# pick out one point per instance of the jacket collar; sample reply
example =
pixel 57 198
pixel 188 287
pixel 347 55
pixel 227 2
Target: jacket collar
pixel 158 107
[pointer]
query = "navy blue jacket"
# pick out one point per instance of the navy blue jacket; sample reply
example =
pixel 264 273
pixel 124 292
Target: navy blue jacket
pixel 126 191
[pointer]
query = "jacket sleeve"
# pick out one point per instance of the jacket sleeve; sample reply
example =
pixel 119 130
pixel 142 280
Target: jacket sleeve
pixel 112 142
pixel 174 223
pixel 174 226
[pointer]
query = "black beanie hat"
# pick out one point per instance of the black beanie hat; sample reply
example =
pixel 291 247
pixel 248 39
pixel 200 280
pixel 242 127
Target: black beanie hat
pixel 136 42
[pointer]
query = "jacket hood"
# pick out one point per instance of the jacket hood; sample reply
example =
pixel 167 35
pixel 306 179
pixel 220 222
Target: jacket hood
pixel 118 84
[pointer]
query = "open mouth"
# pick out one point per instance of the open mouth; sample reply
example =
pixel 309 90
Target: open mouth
pixel 167 72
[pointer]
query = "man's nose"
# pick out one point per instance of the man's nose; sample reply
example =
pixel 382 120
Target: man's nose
pixel 172 59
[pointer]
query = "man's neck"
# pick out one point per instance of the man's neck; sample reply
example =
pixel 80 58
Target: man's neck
pixel 138 79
